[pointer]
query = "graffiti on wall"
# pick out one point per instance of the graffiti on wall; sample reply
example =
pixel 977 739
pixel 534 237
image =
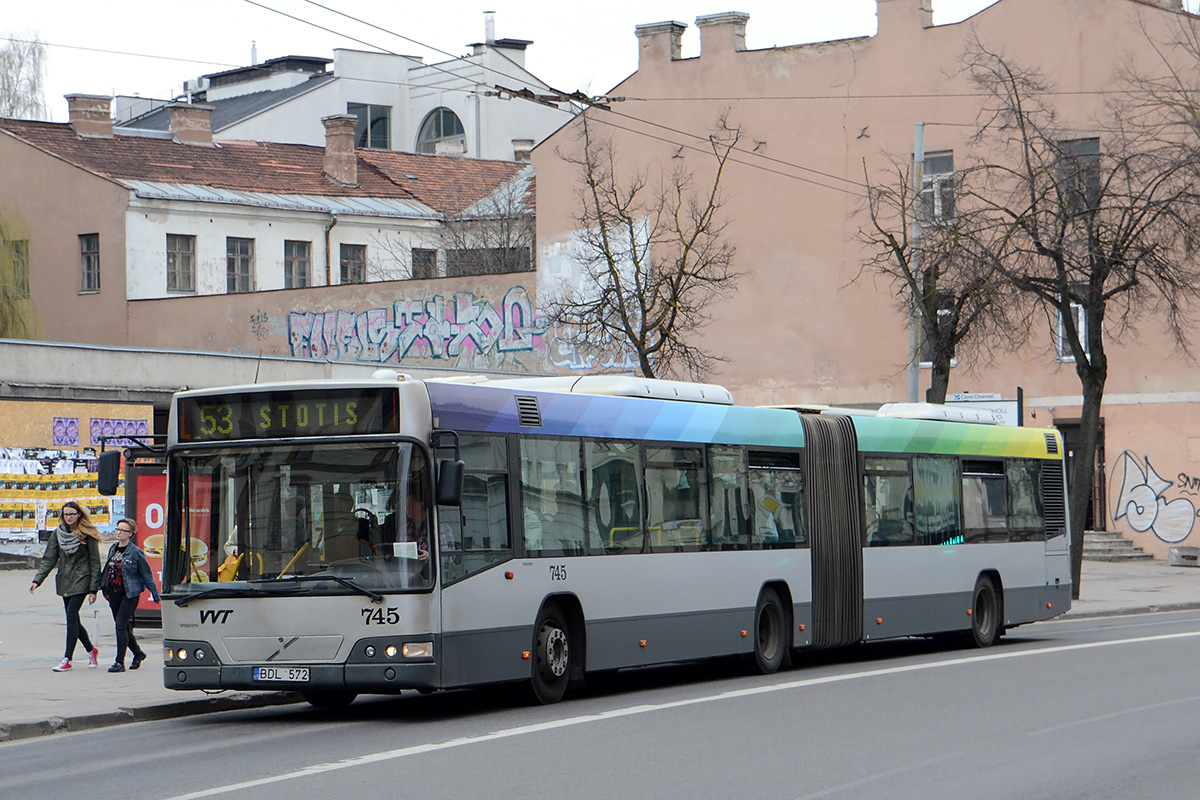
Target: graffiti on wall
pixel 608 355
pixel 464 330
pixel 1143 500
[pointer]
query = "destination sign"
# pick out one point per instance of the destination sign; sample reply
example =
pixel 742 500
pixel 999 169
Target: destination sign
pixel 277 415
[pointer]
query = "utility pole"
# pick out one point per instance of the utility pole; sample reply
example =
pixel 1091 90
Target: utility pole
pixel 914 328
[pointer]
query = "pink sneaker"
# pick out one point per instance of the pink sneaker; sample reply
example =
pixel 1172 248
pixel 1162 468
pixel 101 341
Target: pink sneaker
pixel 93 657
pixel 63 665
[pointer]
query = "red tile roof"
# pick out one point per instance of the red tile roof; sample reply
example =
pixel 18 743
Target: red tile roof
pixel 445 183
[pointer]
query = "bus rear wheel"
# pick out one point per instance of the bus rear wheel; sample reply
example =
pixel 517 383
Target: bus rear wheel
pixel 770 633
pixel 552 657
pixel 985 613
pixel 330 699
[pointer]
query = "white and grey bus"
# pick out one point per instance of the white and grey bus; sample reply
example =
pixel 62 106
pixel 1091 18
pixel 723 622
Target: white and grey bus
pixel 372 536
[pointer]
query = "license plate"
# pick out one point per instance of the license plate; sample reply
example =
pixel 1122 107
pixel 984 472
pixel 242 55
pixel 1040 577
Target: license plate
pixel 292 674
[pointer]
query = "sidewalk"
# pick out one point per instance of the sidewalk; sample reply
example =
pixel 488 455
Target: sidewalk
pixel 37 701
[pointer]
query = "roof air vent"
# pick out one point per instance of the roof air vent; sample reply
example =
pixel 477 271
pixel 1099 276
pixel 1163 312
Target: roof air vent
pixel 529 414
pixel 1051 444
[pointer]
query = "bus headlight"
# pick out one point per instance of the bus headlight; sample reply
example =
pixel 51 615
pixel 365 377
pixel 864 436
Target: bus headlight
pixel 418 650
pixel 390 650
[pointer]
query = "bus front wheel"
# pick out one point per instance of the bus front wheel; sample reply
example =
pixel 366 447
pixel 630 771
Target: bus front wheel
pixel 552 656
pixel 985 613
pixel 770 633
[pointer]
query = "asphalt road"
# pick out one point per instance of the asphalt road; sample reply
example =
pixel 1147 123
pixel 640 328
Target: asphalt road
pixel 1080 708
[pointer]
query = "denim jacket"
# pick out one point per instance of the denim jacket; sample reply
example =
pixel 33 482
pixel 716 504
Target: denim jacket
pixel 135 571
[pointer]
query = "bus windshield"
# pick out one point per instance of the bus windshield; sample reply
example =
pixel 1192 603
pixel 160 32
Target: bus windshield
pixel 265 515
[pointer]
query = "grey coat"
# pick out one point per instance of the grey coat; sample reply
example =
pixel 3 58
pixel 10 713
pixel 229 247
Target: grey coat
pixel 78 573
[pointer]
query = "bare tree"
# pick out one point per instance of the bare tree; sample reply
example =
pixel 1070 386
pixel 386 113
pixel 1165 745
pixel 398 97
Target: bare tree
pixel 495 235
pixel 1095 232
pixel 652 259
pixel 492 236
pixel 22 75
pixel 926 244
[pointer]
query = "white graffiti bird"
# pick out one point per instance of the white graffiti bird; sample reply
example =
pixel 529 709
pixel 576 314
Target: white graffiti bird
pixel 1142 505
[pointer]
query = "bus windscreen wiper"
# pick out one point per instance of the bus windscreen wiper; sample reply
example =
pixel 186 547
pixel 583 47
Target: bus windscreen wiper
pixel 347 582
pixel 222 591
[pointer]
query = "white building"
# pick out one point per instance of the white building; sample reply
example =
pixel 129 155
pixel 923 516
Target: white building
pixel 451 107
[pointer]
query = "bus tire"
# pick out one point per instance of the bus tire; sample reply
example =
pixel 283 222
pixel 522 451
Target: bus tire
pixel 985 613
pixel 330 699
pixel 551 656
pixel 770 633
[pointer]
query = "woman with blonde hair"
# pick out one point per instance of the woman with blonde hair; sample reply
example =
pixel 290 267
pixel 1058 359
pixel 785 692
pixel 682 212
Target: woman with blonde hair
pixel 74 548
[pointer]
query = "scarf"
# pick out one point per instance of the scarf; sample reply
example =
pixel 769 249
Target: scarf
pixel 68 540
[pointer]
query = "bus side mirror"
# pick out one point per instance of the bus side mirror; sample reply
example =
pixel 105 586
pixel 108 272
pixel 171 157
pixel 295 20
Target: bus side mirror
pixel 450 482
pixel 108 474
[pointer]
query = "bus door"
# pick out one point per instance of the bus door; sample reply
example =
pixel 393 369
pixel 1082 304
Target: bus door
pixel 835 519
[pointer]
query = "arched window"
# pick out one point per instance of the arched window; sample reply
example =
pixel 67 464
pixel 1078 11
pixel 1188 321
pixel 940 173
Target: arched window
pixel 442 125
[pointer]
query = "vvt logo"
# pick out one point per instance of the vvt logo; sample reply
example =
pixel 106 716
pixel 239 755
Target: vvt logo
pixel 215 615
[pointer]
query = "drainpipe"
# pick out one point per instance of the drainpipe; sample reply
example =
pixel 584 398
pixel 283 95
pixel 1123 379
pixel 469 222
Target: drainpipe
pixel 333 218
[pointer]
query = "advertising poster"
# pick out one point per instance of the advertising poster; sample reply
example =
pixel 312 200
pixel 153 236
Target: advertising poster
pixel 151 494
pixel 199 522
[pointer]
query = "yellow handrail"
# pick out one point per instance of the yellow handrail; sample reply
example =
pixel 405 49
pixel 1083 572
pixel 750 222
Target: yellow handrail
pixel 303 547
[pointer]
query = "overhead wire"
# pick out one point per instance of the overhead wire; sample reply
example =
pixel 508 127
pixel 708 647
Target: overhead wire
pixel 630 117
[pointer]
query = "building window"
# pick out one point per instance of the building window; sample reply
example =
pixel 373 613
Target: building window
pixel 373 131
pixel 937 188
pixel 487 261
pixel 354 263
pixel 424 263
pixel 442 127
pixel 1062 346
pixel 1080 174
pixel 296 261
pixel 239 265
pixel 181 263
pixel 89 262
pixel 18 253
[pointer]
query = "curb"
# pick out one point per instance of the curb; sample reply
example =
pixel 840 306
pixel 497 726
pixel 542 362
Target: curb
pixel 1153 608
pixel 11 732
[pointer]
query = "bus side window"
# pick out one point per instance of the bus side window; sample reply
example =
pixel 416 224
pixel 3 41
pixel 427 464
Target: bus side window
pixel 614 496
pixel 888 502
pixel 484 531
pixel 676 499
pixel 1025 520
pixel 938 506
pixel 778 508
pixel 551 497
pixel 729 498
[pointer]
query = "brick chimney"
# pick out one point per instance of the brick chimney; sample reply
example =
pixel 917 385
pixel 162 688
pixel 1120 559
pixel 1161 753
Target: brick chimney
pixel 659 42
pixel 895 14
pixel 341 162
pixel 722 33
pixel 90 115
pixel 190 123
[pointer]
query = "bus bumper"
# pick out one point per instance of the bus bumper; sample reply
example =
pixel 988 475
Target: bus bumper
pixel 358 674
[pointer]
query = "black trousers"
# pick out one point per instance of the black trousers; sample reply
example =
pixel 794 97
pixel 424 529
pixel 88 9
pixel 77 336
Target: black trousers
pixel 122 610
pixel 75 629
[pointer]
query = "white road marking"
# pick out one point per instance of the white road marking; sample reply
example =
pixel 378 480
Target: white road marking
pixel 541 727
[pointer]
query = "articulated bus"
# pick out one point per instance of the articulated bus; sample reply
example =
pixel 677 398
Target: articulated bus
pixel 372 536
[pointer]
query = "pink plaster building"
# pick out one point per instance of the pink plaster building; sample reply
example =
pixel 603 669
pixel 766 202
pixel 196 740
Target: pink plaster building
pixel 806 326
